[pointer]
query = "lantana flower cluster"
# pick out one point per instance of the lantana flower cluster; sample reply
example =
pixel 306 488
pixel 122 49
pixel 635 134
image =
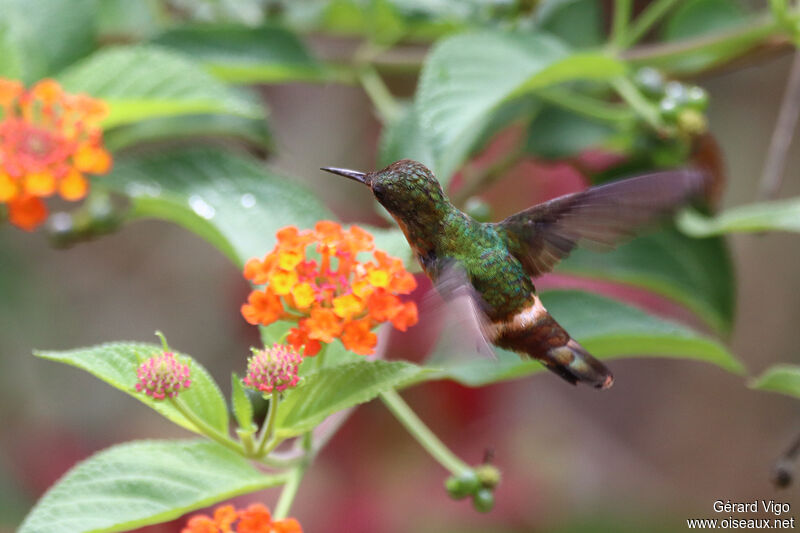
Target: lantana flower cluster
pixel 49 141
pixel 256 518
pixel 337 296
pixel 162 376
pixel 273 369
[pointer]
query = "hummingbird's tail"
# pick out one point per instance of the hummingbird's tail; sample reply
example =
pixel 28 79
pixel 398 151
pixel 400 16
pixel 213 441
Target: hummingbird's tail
pixel 534 332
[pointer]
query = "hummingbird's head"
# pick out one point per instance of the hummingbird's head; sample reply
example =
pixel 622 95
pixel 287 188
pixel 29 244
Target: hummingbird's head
pixel 405 187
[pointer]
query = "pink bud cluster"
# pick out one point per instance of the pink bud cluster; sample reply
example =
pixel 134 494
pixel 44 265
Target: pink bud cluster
pixel 162 376
pixel 273 368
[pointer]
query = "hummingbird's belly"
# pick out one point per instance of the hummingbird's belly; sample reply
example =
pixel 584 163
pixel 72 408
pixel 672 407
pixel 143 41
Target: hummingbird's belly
pixel 503 284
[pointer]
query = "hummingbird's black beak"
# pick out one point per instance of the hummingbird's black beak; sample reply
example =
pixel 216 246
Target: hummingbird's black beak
pixel 360 177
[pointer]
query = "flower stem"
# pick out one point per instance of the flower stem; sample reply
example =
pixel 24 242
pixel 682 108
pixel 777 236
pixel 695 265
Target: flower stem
pixel 386 105
pixel 289 491
pixel 422 433
pixel 269 425
pixel 634 98
pixel 650 16
pixel 619 25
pixel 204 428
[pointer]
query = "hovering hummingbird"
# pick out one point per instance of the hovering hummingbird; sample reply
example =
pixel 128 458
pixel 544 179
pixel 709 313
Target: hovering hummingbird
pixel 494 262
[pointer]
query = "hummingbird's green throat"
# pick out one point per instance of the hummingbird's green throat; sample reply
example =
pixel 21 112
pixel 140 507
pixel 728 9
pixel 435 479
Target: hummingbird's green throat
pixel 493 263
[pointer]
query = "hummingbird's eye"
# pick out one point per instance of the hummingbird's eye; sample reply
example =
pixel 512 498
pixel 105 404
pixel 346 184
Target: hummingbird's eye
pixel 379 191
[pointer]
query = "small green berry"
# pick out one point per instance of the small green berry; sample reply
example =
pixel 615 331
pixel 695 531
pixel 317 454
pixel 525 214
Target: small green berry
pixel 488 475
pixel 483 500
pixel 692 122
pixel 469 480
pixel 697 98
pixel 669 108
pixel 650 81
pixel 455 488
pixel 675 90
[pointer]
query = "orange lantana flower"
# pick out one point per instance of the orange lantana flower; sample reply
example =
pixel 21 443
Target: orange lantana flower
pixel 337 297
pixel 255 519
pixel 49 141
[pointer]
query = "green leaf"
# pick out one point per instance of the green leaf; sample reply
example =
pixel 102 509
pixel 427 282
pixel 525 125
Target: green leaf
pixel 190 127
pixel 269 54
pixel 144 482
pixel 333 389
pixel 556 134
pixel 784 379
pixel 780 215
pixel 694 18
pixel 606 328
pixel 40 37
pixel 231 201
pixel 695 273
pixel 143 82
pixel 116 364
pixel 242 406
pixel 405 138
pixel 579 23
pixel 466 78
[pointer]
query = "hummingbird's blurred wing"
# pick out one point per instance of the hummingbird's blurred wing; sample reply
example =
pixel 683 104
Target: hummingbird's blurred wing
pixel 601 216
pixel 465 323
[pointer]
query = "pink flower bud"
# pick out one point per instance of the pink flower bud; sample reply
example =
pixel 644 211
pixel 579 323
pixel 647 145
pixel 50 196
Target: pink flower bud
pixel 162 376
pixel 273 368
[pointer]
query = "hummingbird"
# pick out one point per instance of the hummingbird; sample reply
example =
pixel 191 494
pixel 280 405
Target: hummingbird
pixel 493 263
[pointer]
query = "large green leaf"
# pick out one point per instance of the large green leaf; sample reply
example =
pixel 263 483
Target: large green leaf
pixel 231 201
pixel 696 273
pixel 269 54
pixel 780 215
pixel 332 389
pixel 39 37
pixel 405 138
pixel 191 127
pixel 784 379
pixel 607 328
pixel 143 82
pixel 145 482
pixel 116 364
pixel 466 77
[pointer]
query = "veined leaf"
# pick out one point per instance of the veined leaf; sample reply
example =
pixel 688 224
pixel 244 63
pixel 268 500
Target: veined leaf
pixel 780 215
pixel 116 364
pixel 606 328
pixel 232 202
pixel 143 482
pixel 784 379
pixel 143 82
pixel 40 37
pixel 333 389
pixel 468 76
pixel 695 273
pixel 269 54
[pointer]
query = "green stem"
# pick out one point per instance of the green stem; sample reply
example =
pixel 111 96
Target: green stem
pixel 269 425
pixel 585 105
pixel 738 38
pixel 641 105
pixel 378 93
pixel 619 25
pixel 289 491
pixel 422 433
pixel 207 430
pixel 649 17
